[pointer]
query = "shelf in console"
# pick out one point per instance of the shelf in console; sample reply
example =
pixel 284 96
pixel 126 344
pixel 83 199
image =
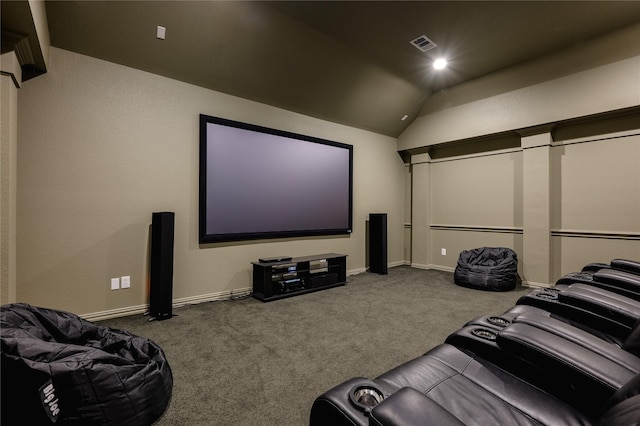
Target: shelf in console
pixel 297 276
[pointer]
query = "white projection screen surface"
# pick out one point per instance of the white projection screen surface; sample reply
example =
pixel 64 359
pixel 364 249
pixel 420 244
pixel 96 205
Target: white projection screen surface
pixel 257 183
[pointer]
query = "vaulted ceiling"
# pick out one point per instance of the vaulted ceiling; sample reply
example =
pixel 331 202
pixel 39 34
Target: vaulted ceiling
pixel 349 62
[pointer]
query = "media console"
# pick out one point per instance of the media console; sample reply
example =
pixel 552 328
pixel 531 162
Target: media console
pixel 298 275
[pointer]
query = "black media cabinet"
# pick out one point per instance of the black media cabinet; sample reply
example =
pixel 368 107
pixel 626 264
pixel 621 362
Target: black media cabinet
pixel 276 280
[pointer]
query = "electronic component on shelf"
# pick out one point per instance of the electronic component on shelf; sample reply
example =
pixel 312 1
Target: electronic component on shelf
pixel 286 286
pixel 284 268
pixel 300 275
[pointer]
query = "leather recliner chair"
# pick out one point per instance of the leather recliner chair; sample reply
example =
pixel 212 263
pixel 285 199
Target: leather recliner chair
pixel 576 364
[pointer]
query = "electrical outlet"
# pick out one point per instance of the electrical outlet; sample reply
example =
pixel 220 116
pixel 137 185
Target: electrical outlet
pixel 125 282
pixel 115 283
pixel 161 32
pixel 443 251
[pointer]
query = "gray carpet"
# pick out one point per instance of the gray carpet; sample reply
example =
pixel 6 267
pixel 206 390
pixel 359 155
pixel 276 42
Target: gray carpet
pixel 245 362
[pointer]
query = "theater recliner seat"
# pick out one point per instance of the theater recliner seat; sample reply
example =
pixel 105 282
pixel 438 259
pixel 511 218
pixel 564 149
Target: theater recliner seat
pixel 616 281
pixel 408 407
pixel 469 389
pixel 453 385
pixel 626 265
pixel 528 366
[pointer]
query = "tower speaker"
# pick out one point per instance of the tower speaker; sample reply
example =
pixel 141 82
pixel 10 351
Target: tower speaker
pixel 378 243
pixel 161 269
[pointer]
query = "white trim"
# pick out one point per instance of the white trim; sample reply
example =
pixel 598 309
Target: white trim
pixel 356 271
pixel 177 303
pixel 419 266
pixel 242 292
pixel 474 228
pixel 389 265
pixel 212 297
pixel 441 268
pixel 577 233
pixel 476 155
pixel 597 138
pixel 534 284
pixel 115 313
pixel 434 267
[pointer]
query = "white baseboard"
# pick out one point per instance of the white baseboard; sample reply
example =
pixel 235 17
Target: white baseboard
pixel 442 268
pixel 116 313
pixel 229 294
pixel 389 265
pixel 432 266
pixel 356 271
pixel 177 303
pixel 419 266
pixel 534 284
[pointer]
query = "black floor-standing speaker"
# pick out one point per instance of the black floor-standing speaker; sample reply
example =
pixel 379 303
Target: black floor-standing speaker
pixel 161 268
pixel 378 243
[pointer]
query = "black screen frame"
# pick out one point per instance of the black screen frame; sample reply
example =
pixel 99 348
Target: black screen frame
pixel 206 238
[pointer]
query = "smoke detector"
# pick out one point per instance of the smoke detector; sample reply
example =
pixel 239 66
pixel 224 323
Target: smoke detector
pixel 423 43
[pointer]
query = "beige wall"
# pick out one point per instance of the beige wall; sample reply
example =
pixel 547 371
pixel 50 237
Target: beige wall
pixel 420 210
pixel 475 201
pixel 9 82
pixel 594 77
pixel 596 197
pixel 484 195
pixel 558 200
pixel 542 157
pixel 559 205
pixel 102 146
pixel 465 202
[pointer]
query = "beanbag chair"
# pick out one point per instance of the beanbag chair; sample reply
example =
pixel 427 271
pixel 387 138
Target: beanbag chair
pixel 487 268
pixel 59 368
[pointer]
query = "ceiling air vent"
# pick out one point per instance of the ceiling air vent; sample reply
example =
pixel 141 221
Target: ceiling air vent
pixel 423 43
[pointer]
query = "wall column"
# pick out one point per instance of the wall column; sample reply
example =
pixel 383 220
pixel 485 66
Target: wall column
pixel 536 207
pixel 420 210
pixel 10 77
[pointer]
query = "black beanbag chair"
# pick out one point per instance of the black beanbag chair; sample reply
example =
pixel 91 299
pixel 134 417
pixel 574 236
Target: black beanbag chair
pixel 487 268
pixel 59 368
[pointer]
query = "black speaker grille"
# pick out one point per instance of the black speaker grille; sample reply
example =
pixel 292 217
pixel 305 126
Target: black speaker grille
pixel 161 268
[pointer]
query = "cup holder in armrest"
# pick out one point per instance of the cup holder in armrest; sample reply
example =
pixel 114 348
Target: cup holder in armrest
pixel 485 334
pixel 365 397
pixel 498 321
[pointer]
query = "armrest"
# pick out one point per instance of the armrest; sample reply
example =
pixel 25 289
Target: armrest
pixel 411 408
pixel 335 408
pixel 559 303
pixel 590 375
pixel 625 283
pixel 593 267
pixel 580 337
pixel 626 265
pixel 615 306
pixel 623 278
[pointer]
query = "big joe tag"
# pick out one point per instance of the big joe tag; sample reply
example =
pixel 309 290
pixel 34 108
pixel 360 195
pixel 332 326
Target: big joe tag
pixel 50 401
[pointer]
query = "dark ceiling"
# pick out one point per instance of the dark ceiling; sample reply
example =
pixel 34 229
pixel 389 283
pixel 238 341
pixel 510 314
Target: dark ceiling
pixel 349 62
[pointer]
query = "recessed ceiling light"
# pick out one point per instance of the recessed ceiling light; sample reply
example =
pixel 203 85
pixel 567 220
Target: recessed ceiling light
pixel 440 63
